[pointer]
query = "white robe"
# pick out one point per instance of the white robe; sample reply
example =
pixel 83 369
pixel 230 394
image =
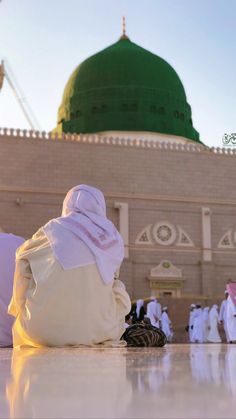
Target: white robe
pixel 213 335
pixel 198 326
pixel 57 307
pixel 165 325
pixel 231 320
pixel 154 313
pixel 223 318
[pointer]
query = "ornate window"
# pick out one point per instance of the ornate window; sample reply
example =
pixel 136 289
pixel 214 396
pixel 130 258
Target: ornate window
pixel 164 233
pixel 226 241
pixel 144 236
pixel 183 238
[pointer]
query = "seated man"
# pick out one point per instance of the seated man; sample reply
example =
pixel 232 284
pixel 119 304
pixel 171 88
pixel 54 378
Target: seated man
pixel 8 245
pixel 64 290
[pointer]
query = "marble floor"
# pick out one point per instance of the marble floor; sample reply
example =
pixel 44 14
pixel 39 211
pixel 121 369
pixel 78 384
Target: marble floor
pixel 177 381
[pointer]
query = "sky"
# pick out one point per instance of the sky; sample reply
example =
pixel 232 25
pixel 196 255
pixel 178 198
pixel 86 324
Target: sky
pixel 42 41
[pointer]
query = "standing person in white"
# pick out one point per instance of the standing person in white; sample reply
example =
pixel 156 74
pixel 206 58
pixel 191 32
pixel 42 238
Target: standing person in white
pixel 198 324
pixel 190 322
pixel 231 311
pixel 205 317
pixel 154 312
pixel 223 315
pixel 166 324
pixel 213 335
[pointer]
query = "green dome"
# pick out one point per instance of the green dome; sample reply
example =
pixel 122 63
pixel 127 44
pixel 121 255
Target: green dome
pixel 125 88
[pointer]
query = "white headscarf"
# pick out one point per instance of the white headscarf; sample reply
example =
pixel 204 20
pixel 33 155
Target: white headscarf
pixel 139 304
pixel 84 219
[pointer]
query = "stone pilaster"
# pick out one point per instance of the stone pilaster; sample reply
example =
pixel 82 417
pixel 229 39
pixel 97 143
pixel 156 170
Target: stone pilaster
pixel 124 224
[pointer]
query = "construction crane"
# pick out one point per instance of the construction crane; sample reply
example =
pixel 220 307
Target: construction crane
pixel 6 73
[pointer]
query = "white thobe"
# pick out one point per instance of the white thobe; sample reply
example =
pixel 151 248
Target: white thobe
pixel 198 326
pixel 165 325
pixel 57 307
pixel 231 320
pixel 213 335
pixel 223 318
pixel 154 313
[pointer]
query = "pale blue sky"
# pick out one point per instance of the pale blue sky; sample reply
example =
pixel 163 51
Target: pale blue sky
pixel 44 40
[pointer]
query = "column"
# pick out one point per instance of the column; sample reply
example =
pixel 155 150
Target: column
pixel 206 235
pixel 124 224
pixel 208 268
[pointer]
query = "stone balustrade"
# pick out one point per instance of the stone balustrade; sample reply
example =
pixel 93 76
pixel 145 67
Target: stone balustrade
pixel 111 141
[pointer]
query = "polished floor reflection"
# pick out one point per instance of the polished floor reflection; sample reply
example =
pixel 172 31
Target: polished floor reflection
pixel 178 381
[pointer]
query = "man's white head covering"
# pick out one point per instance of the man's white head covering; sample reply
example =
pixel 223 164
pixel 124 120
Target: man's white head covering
pixel 192 305
pixel 153 298
pixel 84 220
pixel 164 308
pixel 139 304
pixel 226 292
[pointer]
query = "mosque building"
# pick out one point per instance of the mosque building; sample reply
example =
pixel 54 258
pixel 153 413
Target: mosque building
pixel 125 126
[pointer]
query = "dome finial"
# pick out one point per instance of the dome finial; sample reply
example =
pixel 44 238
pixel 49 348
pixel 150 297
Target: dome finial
pixel 124 36
pixel 124 25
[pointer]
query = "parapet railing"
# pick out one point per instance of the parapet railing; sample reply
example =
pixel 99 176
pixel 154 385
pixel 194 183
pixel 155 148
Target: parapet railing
pixel 124 142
